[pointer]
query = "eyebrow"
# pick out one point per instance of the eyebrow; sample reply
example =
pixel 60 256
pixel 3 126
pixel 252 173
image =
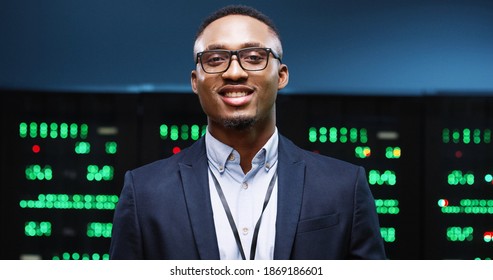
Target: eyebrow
pixel 223 47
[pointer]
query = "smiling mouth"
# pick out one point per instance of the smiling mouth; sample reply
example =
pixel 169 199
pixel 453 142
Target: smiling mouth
pixel 235 94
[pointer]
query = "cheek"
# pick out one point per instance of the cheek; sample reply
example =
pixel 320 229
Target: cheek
pixel 206 84
pixel 207 99
pixel 271 87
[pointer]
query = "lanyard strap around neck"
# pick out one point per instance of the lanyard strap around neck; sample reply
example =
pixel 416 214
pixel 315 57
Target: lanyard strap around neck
pixel 232 221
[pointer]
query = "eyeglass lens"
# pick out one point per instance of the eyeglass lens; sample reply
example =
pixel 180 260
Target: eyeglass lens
pixel 252 59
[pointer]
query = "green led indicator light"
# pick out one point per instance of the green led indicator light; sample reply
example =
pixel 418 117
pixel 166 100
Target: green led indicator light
pixel 111 147
pixel 363 135
pixel 36 172
pixel 312 134
pixel 468 206
pixel 393 152
pixel 99 230
pixel 334 135
pixel 76 201
pixel 105 173
pixel 33 130
pixel 53 130
pixel 74 130
pixel 163 131
pixel 323 135
pixel 64 130
pixel 388 234
pixel 82 148
pixel 487 136
pixel 466 136
pixel 353 135
pixel 446 135
pixel 43 130
pixel 477 136
pixel 457 177
pixel 362 152
pixel 455 136
pixel 33 229
pixel 23 130
pixel 81 256
pixel 195 132
pixel 459 234
pixel 344 137
pixel 387 177
pixel 182 132
pixel 174 135
pixel 488 178
pixel 84 131
pixel 476 202
pixel 387 206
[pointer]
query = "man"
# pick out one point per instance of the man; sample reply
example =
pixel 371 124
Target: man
pixel 244 191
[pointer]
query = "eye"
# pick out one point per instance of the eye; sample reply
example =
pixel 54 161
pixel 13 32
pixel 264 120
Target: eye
pixel 214 58
pixel 254 56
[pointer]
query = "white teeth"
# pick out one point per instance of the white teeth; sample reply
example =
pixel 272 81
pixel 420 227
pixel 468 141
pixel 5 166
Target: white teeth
pixel 235 94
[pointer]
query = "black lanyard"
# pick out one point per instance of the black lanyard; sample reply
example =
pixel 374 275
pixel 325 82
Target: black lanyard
pixel 232 221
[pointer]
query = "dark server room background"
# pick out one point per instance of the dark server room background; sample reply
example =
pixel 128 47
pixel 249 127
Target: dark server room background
pixel 90 89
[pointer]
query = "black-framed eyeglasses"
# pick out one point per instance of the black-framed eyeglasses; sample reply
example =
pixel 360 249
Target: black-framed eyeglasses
pixel 250 59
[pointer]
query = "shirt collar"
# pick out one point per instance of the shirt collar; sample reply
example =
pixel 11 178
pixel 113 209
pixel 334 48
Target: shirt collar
pixel 218 153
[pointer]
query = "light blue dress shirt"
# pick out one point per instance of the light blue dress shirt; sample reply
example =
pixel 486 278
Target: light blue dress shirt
pixel 245 194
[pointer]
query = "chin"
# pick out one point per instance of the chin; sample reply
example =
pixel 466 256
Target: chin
pixel 239 123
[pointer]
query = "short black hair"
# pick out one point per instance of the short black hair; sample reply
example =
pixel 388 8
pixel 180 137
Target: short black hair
pixel 237 10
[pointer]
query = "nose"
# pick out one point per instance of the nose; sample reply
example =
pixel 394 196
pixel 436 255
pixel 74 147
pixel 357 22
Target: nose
pixel 235 71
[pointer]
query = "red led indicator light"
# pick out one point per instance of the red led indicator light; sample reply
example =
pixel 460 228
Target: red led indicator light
pixel 36 149
pixel 488 236
pixel 443 202
pixel 458 154
pixel 176 150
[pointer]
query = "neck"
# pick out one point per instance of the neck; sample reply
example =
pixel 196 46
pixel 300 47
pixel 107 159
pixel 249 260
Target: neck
pixel 246 141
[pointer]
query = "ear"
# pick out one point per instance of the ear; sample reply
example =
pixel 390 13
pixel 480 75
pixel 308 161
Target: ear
pixel 193 81
pixel 283 76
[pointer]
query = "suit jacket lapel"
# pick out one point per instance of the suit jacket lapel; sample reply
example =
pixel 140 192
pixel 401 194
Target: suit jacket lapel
pixel 291 174
pixel 196 189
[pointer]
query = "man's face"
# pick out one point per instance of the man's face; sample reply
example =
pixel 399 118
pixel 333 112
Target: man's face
pixel 238 98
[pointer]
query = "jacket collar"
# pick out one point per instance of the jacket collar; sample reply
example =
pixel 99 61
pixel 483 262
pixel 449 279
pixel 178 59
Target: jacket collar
pixel 193 171
pixel 291 174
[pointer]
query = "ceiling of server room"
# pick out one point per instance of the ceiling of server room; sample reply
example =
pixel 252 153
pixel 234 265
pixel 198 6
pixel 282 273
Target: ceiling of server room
pixel 331 46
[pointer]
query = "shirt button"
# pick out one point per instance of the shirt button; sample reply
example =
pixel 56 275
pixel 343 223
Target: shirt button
pixel 267 165
pixel 231 157
pixel 245 231
pixel 244 186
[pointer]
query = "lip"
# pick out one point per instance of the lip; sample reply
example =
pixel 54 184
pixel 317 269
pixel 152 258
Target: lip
pixel 236 95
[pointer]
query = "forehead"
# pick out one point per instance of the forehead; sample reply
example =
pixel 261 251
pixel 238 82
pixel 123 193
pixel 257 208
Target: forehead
pixel 236 31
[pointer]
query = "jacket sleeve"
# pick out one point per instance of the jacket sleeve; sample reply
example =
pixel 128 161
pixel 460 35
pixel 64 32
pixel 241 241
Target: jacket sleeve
pixel 366 240
pixel 126 239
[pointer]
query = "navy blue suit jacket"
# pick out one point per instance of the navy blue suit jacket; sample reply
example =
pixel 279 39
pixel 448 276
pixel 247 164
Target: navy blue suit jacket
pixel 325 209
